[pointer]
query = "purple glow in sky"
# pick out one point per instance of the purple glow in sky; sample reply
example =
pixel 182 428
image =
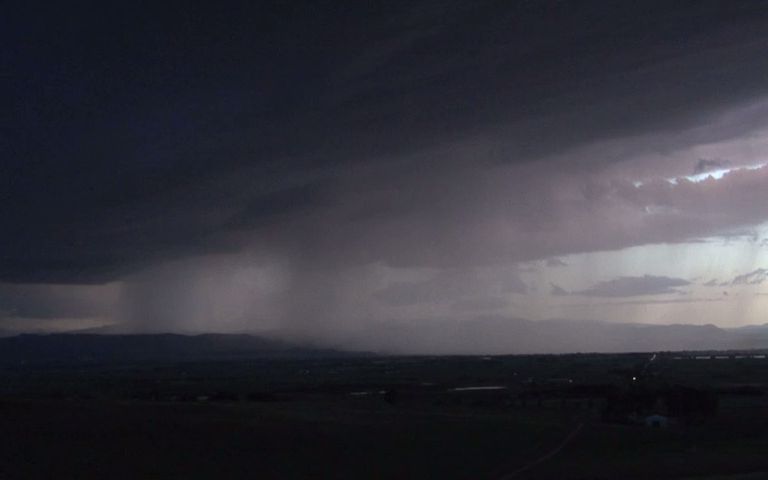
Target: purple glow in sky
pixel 367 177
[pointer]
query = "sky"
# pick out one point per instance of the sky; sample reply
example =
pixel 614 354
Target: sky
pixel 365 175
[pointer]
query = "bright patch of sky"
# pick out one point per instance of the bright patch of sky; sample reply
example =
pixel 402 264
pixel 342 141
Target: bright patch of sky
pixel 715 260
pixel 714 174
pixel 717 174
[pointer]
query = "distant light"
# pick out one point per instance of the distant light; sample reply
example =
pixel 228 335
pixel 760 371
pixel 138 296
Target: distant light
pixel 717 174
pixel 634 379
pixel 700 177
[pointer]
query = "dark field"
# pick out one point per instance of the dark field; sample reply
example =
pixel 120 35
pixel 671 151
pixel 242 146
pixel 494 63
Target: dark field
pixel 559 417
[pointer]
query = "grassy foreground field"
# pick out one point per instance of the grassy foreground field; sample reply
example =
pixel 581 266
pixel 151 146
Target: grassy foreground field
pixel 382 418
pixel 90 439
pixel 132 440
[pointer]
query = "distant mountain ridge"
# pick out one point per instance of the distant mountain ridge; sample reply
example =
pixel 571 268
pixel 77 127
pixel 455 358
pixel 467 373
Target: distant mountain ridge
pixel 486 335
pixel 92 348
pixel 496 335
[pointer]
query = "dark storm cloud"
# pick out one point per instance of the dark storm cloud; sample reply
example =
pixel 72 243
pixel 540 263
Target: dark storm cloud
pixel 707 165
pixel 136 133
pixel 635 286
pixel 314 168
